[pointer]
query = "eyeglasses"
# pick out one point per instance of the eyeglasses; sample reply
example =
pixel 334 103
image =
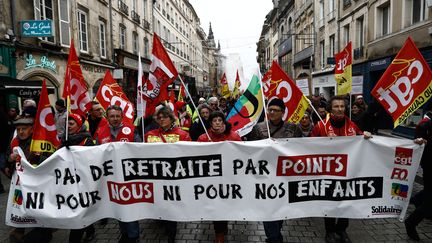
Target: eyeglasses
pixel 274 110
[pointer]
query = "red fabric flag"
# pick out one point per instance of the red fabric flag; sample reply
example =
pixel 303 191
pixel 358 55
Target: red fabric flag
pixel 44 137
pixel 182 93
pixel 406 84
pixel 162 73
pixel 343 70
pixel 277 84
pixel 110 93
pixel 75 87
pixel 225 92
pixel 172 96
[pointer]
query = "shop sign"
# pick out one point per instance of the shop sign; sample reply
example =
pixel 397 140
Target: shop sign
pixel 379 64
pixel 133 64
pixel 92 68
pixel 44 63
pixel 36 28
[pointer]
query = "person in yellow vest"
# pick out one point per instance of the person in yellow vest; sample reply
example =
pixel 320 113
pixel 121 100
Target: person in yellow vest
pixel 167 132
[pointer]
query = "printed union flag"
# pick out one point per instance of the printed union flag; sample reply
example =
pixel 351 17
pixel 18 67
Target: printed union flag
pixel 248 108
pixel 225 92
pixel 110 93
pixel 343 70
pixel 277 84
pixel 44 137
pixel 406 84
pixel 237 85
pixel 75 87
pixel 162 73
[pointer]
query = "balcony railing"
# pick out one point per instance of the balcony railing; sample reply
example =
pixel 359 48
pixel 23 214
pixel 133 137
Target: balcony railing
pixel 146 24
pixel 123 7
pixel 135 17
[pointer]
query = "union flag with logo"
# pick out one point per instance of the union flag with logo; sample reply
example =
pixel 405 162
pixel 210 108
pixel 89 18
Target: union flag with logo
pixel 110 93
pixel 225 92
pixel 237 84
pixel 406 84
pixel 44 137
pixel 75 87
pixel 277 84
pixel 343 70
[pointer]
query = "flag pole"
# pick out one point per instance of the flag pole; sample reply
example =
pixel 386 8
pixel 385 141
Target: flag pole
pixel 264 103
pixel 313 108
pixel 199 116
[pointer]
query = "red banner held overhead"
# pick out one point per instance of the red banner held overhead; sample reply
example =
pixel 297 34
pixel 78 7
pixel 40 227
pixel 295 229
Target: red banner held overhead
pixel 406 84
pixel 44 137
pixel 343 70
pixel 110 93
pixel 277 84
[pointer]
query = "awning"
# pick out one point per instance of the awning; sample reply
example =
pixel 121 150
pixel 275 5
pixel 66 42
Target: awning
pixel 28 88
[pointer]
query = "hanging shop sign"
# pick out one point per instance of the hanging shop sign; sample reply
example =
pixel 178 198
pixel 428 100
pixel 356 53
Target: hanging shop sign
pixel 36 28
pixel 43 63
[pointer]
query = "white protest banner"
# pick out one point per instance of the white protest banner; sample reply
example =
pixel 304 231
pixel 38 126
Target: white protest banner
pixel 348 177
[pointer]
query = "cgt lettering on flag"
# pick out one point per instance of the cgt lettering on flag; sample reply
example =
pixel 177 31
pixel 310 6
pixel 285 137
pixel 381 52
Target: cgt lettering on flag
pixel 406 84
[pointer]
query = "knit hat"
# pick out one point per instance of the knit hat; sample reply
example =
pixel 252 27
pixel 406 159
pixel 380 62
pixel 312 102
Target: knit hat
pixel 277 102
pixel 77 118
pixel 60 103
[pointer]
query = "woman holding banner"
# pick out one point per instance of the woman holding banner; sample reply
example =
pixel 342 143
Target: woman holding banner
pixel 77 135
pixel 220 130
pixel 167 132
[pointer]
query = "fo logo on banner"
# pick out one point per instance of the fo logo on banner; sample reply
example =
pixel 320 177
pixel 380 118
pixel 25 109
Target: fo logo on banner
pixel 17 198
pixel 403 156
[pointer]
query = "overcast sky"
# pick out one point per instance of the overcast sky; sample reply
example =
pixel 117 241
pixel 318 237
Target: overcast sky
pixel 237 24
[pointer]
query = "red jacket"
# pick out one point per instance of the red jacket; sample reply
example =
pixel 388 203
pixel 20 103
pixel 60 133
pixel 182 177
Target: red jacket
pixel 325 129
pixel 125 134
pixel 103 122
pixel 170 136
pixel 215 137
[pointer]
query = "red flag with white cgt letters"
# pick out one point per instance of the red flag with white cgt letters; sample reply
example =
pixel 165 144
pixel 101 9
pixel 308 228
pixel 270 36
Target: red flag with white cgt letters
pixel 110 93
pixel 406 84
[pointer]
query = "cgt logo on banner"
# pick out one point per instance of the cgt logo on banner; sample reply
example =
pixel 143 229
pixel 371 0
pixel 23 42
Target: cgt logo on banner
pixel 255 181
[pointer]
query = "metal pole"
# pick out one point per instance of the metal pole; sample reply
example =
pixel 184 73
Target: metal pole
pixel 199 116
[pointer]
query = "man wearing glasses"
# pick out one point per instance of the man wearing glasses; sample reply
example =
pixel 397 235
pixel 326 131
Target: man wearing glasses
pixel 278 129
pixel 96 119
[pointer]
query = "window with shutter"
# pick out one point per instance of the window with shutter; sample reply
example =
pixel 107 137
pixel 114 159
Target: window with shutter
pixel 64 22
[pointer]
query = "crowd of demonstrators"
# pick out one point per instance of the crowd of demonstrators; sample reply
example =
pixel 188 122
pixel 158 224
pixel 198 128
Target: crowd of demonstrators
pixel 278 129
pixel 169 125
pixel 220 130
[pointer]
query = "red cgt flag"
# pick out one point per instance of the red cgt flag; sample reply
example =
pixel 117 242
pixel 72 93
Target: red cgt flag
pixel 110 93
pixel 162 73
pixel 277 84
pixel 75 87
pixel 406 84
pixel 44 137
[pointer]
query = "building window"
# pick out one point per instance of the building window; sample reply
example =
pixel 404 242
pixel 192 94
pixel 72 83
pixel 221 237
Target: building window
pixel 321 14
pixel 146 47
pixel 135 42
pixel 346 33
pixel 322 56
pixel 122 37
pixel 332 44
pixel 83 30
pixel 383 20
pixel 332 10
pixel 415 11
pixel 43 10
pixel 102 39
pixel 144 9
pixel 360 31
pixel 64 22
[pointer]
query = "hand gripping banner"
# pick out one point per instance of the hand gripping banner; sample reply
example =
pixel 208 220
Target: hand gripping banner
pixel 188 181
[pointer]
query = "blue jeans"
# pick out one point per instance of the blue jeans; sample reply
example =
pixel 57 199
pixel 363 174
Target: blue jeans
pixel 272 230
pixel 131 229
